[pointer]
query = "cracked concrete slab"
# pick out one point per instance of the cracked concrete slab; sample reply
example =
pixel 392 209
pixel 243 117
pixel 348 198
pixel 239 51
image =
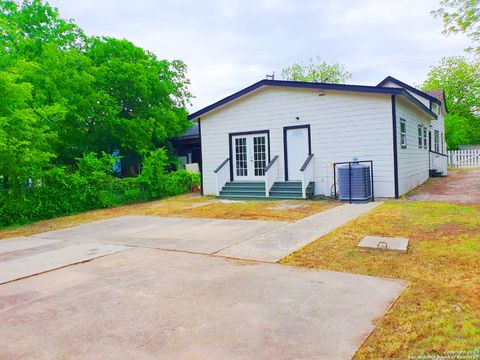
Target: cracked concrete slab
pixel 24 266
pixel 205 236
pixel 23 243
pixel 140 302
pixel 152 304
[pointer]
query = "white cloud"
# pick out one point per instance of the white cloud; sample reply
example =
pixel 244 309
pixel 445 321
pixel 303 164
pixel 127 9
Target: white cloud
pixel 228 45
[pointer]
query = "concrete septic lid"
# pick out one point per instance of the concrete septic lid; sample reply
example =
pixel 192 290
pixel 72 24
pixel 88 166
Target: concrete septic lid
pixel 384 243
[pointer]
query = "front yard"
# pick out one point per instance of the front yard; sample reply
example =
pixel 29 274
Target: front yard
pixel 440 311
pixel 188 205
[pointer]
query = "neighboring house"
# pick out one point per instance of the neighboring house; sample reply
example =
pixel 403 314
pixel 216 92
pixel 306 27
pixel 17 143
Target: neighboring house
pixel 187 146
pixel 281 138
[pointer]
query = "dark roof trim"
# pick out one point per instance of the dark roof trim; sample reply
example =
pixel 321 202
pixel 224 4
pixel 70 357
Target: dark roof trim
pixel 310 85
pixel 409 88
pixel 414 100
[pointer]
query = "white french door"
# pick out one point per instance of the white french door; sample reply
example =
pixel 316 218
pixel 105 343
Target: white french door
pixel 250 156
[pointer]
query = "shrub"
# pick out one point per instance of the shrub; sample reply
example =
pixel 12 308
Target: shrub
pixel 178 182
pixel 153 174
pixel 61 192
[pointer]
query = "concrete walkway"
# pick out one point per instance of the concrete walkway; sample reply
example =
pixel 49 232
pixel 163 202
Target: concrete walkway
pixel 275 245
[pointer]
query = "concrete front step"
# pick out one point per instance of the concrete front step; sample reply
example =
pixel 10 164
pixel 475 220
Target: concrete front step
pixel 245 184
pixel 242 197
pixel 286 192
pixel 243 192
pixel 240 188
pixel 254 190
pixel 299 189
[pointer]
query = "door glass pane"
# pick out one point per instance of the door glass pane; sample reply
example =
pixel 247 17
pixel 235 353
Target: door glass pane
pixel 259 155
pixel 241 156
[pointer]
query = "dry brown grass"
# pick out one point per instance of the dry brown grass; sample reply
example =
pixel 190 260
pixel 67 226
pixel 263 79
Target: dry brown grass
pixel 188 205
pixel 440 311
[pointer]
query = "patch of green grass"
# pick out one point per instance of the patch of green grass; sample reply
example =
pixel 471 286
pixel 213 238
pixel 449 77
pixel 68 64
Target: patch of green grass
pixel 440 310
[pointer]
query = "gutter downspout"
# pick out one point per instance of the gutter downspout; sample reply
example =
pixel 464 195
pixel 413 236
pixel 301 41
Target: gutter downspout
pixel 395 147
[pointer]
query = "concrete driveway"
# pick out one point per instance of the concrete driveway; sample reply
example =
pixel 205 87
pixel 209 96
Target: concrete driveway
pixel 131 296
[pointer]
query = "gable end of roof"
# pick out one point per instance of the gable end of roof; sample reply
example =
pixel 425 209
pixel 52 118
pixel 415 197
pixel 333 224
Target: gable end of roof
pixel 410 88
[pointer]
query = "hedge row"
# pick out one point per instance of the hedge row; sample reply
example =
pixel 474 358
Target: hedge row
pixel 60 192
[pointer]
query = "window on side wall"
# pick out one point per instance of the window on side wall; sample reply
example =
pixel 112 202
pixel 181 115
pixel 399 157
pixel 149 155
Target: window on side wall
pixel 441 142
pixel 420 136
pixel 425 137
pixel 435 108
pixel 403 133
pixel 436 141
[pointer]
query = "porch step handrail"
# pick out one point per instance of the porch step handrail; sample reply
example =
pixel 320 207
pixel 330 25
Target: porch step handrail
pixel 271 174
pixel 307 174
pixel 222 175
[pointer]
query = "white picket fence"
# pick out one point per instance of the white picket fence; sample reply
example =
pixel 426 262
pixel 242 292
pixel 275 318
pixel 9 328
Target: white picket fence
pixel 464 158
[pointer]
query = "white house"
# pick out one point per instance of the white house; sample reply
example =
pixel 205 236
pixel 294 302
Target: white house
pixel 282 138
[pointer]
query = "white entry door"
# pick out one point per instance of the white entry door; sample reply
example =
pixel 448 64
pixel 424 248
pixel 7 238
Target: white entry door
pixel 250 156
pixel 298 147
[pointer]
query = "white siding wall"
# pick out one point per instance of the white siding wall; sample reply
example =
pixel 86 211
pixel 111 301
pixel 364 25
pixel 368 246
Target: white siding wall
pixel 436 124
pixel 438 162
pixel 343 125
pixel 413 162
pixel 439 125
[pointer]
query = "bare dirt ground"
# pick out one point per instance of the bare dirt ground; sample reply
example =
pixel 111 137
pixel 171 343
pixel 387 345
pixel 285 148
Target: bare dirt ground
pixel 460 186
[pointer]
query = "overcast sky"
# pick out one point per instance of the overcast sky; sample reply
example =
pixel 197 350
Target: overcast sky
pixel 229 45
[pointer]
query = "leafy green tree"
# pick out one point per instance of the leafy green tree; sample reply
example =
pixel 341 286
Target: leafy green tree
pixel 65 78
pixel 25 26
pixel 460 79
pixel 317 71
pixel 145 97
pixel 458 131
pixel 25 138
pixel 461 16
pixel 64 98
pixel 115 96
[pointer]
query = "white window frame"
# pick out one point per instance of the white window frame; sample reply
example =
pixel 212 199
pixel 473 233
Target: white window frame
pixel 403 133
pixel 436 141
pixel 442 142
pixel 435 108
pixel 425 137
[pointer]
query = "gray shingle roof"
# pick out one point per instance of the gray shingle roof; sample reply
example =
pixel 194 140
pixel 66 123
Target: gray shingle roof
pixel 193 132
